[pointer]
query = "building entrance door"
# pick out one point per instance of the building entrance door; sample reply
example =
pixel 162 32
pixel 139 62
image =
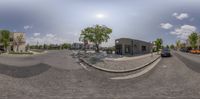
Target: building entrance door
pixel 127 49
pixel 118 49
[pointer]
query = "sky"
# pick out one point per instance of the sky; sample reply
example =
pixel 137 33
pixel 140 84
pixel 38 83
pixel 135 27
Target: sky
pixel 60 21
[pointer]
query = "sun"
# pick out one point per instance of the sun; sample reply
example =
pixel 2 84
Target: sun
pixel 100 16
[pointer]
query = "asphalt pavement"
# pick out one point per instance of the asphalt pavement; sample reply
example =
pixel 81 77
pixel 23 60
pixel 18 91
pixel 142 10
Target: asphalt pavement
pixel 170 79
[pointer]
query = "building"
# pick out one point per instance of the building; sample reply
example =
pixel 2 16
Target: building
pixel 127 46
pixel 17 42
pixel 79 46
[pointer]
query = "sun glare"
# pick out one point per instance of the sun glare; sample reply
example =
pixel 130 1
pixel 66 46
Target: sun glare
pixel 100 16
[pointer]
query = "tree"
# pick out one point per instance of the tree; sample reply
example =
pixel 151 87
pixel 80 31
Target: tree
pixel 45 46
pixel 167 46
pixel 178 44
pixel 158 44
pixel 199 42
pixel 19 41
pixel 66 46
pixel 96 34
pixel 193 40
pixel 172 46
pixel 5 39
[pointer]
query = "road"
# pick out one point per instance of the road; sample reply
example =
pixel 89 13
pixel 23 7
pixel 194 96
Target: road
pixel 170 79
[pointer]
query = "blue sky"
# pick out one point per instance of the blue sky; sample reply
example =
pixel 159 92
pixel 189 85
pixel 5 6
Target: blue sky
pixel 59 21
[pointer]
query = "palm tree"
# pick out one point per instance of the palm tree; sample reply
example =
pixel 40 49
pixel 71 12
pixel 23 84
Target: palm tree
pixel 5 39
pixel 19 41
pixel 158 44
pixel 96 34
pixel 193 39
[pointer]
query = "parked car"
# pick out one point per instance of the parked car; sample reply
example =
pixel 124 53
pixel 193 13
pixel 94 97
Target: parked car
pixel 195 51
pixel 165 52
pixel 198 51
pixel 185 50
pixel 2 51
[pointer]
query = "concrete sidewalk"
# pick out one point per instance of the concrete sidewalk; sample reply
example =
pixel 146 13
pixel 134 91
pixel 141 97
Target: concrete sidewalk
pixel 125 58
pixel 126 65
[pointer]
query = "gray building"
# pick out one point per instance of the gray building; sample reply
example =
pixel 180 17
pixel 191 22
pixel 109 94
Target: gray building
pixel 127 46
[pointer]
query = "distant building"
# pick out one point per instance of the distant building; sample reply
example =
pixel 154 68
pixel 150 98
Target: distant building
pixel 127 46
pixel 78 46
pixel 17 42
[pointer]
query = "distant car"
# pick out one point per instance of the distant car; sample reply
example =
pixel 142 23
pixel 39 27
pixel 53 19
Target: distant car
pixel 165 52
pixel 187 50
pixel 195 51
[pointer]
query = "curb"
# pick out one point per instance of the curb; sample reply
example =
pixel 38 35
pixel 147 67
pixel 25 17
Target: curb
pixel 118 71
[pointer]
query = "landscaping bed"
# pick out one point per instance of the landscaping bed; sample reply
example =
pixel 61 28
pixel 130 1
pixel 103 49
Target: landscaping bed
pixel 21 53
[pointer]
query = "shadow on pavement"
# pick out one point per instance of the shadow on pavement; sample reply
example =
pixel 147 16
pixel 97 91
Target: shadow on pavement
pixel 23 72
pixel 195 66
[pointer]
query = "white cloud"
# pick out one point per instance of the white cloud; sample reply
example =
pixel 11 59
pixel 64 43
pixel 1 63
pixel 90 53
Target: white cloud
pixel 180 16
pixel 50 35
pixel 47 39
pixel 28 27
pixel 36 34
pixel 175 14
pixel 184 31
pixel 166 25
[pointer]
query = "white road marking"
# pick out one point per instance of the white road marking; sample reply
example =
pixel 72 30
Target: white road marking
pixel 84 66
pixel 137 74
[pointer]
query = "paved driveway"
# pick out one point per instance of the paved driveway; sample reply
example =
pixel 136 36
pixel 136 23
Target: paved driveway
pixel 59 59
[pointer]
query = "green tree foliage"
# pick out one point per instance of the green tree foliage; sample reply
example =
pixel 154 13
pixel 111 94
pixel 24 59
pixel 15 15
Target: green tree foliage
pixel 172 46
pixel 167 46
pixel 158 44
pixel 96 34
pixel 5 38
pixel 199 41
pixel 193 39
pixel 66 46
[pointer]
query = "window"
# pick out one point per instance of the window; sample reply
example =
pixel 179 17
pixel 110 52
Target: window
pixel 143 48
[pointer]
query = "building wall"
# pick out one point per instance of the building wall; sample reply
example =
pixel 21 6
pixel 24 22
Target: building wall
pixel 19 46
pixel 134 46
pixel 77 46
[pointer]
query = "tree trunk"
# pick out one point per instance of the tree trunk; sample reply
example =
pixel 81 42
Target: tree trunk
pixel 97 46
pixel 85 50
